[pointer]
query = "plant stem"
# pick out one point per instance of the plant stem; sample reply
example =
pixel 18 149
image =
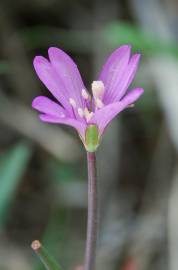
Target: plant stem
pixel 90 252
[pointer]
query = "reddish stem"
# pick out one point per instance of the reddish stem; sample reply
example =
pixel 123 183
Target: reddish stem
pixel 90 252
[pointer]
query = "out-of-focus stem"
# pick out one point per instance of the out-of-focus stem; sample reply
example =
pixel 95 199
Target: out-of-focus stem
pixel 90 252
pixel 48 261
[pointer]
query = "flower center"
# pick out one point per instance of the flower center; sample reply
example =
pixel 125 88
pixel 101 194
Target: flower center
pixel 96 100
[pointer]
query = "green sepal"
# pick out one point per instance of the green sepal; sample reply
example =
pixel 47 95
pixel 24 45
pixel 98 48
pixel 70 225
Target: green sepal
pixel 91 138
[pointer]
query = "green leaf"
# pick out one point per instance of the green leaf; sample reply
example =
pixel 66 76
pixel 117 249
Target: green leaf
pixel 12 166
pixel 113 35
pixel 118 33
pixel 4 67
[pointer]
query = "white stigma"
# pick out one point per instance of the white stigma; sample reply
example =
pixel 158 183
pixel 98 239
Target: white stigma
pixel 88 115
pixel 85 95
pixel 72 102
pixel 80 112
pixel 98 89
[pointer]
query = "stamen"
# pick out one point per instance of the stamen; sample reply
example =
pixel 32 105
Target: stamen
pixel 72 102
pixel 88 115
pixel 131 106
pixel 98 89
pixel 80 112
pixel 99 104
pixel 85 95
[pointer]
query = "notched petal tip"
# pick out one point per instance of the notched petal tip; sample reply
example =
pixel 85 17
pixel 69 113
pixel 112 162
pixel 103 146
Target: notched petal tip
pixel 104 116
pixel 39 102
pixel 43 117
pixel 47 106
pixel 55 50
pixel 55 53
pixel 121 51
pixel 39 60
pixel 125 47
pixel 35 102
pixel 135 58
pixel 132 96
pixel 138 91
pixel 137 55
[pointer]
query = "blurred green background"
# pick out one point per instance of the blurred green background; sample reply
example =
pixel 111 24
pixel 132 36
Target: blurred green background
pixel 43 179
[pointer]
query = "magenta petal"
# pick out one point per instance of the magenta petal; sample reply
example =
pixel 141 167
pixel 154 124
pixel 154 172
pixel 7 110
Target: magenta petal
pixel 68 72
pixel 51 80
pixel 80 127
pixel 132 96
pixel 114 69
pixel 103 116
pixel 128 76
pixel 47 106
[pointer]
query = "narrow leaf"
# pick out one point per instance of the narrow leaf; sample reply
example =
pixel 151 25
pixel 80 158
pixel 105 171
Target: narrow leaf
pixel 48 261
pixel 12 166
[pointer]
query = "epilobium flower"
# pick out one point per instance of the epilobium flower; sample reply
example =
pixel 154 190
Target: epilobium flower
pixel 74 106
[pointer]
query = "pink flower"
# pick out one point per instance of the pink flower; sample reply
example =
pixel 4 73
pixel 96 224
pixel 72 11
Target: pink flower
pixel 74 105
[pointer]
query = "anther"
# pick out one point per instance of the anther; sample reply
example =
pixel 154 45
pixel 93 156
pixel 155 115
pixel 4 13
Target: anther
pixel 72 102
pixel 85 95
pixel 131 106
pixel 80 112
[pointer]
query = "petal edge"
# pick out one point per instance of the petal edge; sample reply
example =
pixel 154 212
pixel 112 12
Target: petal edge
pixel 104 116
